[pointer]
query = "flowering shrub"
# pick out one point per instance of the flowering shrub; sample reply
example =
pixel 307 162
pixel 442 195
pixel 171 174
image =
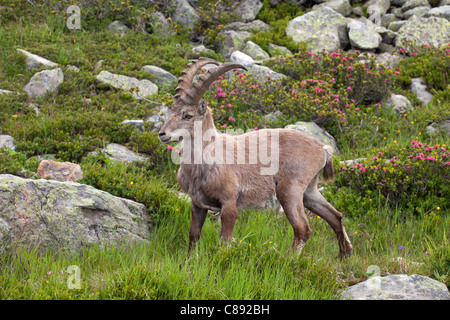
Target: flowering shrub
pixel 427 62
pixel 416 176
pixel 331 89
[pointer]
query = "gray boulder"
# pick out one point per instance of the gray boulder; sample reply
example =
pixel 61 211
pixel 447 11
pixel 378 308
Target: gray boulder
pixel 398 287
pixel 247 10
pixel 377 8
pixel 418 31
pixel 121 153
pixel 138 88
pixel 7 141
pixel 341 6
pixel 67 215
pixel 420 89
pixel 418 11
pixel 321 29
pixel 185 14
pixel 43 82
pixel 138 124
pixel 160 75
pixel 242 58
pixel 262 74
pixel 35 61
pixel 387 19
pixel 363 34
pixel 441 12
pixel 396 25
pixel 276 50
pixel 400 103
pixel 313 130
pixel 255 51
pixel 5 91
pixel 160 25
pixel 252 26
pixel 232 41
pixel 411 4
pixel 118 27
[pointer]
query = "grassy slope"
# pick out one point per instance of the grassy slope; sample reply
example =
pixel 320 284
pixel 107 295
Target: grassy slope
pixel 257 265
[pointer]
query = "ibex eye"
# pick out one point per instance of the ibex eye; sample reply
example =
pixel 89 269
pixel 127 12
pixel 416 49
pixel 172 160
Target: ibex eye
pixel 187 116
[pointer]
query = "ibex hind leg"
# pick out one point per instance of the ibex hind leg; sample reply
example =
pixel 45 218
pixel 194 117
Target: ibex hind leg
pixel 315 202
pixel 291 199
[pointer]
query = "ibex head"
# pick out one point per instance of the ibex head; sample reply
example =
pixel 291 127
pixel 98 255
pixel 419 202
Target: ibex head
pixel 187 107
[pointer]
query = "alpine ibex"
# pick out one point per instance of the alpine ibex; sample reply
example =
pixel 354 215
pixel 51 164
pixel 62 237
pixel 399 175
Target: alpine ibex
pixel 217 176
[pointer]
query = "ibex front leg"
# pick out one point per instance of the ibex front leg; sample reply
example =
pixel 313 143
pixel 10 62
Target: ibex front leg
pixel 228 216
pixel 198 218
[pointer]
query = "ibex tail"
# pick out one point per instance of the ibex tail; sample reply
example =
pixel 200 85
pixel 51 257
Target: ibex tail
pixel 328 170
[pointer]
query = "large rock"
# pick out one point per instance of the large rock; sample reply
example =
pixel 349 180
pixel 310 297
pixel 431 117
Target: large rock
pixel 363 34
pixel 138 88
pixel 160 25
pixel 418 11
pixel 322 29
pixel 247 10
pixel 252 26
pixel 418 31
pixel 232 41
pixel 276 50
pixel 6 141
pixel 67 215
pixel 440 12
pixel 120 153
pixel 185 14
pixel 411 4
pixel 242 58
pixel 341 6
pixel 313 130
pixel 420 89
pixel 262 74
pixel 118 27
pixel 400 103
pixel 5 92
pixel 255 51
pixel 398 287
pixel 161 76
pixel 377 8
pixel 43 82
pixel 35 61
pixel 60 171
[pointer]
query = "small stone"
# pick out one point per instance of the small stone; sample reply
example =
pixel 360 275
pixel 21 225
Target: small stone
pixel 35 61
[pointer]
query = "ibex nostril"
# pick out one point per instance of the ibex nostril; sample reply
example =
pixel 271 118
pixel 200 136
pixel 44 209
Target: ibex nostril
pixel 162 134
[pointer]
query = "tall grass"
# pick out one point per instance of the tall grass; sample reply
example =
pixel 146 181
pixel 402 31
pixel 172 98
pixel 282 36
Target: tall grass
pixel 258 264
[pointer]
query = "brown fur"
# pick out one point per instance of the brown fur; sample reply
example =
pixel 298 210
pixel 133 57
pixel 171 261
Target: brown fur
pixel 227 188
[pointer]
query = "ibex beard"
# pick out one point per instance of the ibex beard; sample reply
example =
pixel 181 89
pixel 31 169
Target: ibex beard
pixel 225 173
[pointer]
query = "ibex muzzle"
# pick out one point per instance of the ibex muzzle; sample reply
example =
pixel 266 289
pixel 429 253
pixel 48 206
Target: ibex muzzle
pixel 226 173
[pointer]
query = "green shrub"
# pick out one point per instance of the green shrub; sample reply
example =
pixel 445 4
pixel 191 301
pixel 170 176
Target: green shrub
pixel 415 176
pixel 17 163
pixel 429 63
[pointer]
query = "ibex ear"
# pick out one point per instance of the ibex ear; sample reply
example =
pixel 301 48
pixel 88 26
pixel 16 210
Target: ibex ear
pixel 202 108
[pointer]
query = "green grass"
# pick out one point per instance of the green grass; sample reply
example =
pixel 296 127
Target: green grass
pixel 258 264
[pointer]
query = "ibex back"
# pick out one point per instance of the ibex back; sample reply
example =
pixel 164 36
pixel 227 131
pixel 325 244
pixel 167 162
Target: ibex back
pixel 226 173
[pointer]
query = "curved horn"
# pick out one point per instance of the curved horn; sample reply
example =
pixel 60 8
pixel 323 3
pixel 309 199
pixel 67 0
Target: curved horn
pixel 184 82
pixel 203 82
